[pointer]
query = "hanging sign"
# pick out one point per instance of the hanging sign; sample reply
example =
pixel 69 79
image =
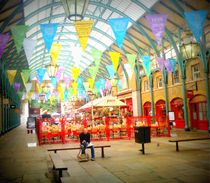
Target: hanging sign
pixel 196 21
pixel 11 76
pixel 29 46
pixel 83 29
pixel 40 74
pixel 96 54
pixel 115 56
pixel 18 35
pixel 54 52
pixel 119 27
pixel 4 38
pixel 48 32
pixel 157 23
pixel 146 64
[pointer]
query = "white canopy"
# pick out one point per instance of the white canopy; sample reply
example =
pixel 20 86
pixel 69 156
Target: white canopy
pixel 107 101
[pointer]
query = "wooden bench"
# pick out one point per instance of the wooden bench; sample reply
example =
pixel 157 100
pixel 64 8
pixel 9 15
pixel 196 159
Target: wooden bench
pixel 58 163
pixel 186 139
pixel 77 148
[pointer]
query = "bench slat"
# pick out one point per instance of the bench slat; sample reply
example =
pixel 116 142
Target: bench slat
pixel 189 139
pixel 58 162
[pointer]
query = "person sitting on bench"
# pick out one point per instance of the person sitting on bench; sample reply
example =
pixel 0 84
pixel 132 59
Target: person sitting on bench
pixel 85 142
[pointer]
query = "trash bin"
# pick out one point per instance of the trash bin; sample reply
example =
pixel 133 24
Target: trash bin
pixel 142 135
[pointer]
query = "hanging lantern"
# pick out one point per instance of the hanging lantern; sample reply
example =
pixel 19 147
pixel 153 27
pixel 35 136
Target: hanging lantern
pixel 75 9
pixel 52 70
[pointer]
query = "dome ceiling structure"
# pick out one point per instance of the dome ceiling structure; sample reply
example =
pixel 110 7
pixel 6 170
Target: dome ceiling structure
pixel 139 38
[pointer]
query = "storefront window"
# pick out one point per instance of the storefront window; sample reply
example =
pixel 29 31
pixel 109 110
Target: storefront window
pixel 202 111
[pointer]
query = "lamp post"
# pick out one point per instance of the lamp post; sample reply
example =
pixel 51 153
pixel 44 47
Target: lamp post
pixel 75 9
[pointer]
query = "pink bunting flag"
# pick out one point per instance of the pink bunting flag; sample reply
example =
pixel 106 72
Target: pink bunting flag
pixel 160 62
pixel 168 66
pixel 157 23
pixel 4 38
pixel 66 80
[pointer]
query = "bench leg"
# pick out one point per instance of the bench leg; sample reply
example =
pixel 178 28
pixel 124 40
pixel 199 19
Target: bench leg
pixel 102 152
pixel 177 146
pixel 60 173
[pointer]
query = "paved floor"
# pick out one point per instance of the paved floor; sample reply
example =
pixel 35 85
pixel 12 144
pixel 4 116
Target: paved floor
pixel 123 162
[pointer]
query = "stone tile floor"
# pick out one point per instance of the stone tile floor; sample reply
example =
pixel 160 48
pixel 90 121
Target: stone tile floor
pixel 123 162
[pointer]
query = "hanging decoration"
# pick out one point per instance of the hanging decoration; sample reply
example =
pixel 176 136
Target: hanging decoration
pixel 40 74
pixel 168 66
pixel 86 85
pixel 18 35
pixel 115 56
pixel 25 75
pixel 75 72
pixel 11 76
pixel 28 87
pixel 79 82
pixel 102 83
pixel 108 85
pixel 128 70
pixel 58 75
pixel 66 95
pixel 93 71
pixel 74 87
pixel 172 63
pixel 161 63
pixel 83 29
pixel 110 69
pixel 91 83
pixel 96 54
pixel 16 86
pixel 119 27
pixel 196 21
pixel 146 64
pixel 119 86
pixel 157 23
pixel 29 46
pixel 98 85
pixel 54 82
pixel 67 80
pixel 54 52
pixel 132 60
pixel 4 38
pixel 48 32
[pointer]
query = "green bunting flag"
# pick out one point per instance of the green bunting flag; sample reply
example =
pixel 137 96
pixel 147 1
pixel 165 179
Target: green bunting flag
pixel 18 35
pixel 25 74
pixel 96 54
pixel 93 71
pixel 131 59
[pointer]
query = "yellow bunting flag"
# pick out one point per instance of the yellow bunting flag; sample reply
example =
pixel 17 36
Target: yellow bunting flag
pixel 54 52
pixel 83 29
pixel 11 75
pixel 91 83
pixel 38 88
pixel 115 56
pixel 75 72
pixel 29 95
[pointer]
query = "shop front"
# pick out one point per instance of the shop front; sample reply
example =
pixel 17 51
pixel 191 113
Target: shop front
pixel 177 108
pixel 160 110
pixel 147 109
pixel 198 112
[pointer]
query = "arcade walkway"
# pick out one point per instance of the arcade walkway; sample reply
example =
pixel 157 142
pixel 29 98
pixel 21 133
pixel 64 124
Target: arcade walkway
pixel 123 162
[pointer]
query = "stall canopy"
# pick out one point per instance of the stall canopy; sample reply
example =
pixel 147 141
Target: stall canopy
pixel 108 101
